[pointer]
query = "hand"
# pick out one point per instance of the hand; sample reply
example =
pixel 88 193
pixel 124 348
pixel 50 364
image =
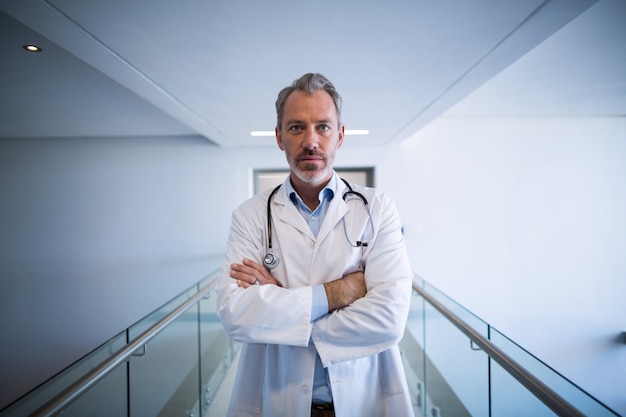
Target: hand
pixel 251 273
pixel 345 291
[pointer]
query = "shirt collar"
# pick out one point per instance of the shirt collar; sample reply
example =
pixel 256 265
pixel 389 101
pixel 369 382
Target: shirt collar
pixel 327 192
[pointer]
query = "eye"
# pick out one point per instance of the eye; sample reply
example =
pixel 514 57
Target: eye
pixel 323 128
pixel 295 128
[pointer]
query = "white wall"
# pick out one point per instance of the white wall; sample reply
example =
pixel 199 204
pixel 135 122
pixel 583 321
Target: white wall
pixel 522 221
pixel 95 234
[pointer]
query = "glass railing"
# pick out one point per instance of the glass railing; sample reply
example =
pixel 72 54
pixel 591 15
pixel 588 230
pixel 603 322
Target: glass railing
pixel 176 372
pixel 453 374
pixel 178 361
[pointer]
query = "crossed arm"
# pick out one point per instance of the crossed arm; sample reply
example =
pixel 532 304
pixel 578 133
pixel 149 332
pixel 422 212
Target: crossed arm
pixel 340 293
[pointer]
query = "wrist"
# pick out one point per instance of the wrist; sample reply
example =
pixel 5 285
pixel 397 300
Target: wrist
pixel 334 295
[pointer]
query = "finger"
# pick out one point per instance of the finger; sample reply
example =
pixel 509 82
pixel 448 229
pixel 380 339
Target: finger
pixel 243 273
pixel 243 284
pixel 261 273
pixel 253 273
pixel 249 267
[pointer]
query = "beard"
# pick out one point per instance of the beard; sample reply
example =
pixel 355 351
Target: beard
pixel 309 172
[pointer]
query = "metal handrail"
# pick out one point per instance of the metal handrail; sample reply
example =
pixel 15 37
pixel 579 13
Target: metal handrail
pixel 544 393
pixel 59 402
pixel 549 397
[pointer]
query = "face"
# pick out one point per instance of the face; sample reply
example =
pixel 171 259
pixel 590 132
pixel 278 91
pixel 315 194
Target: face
pixel 310 135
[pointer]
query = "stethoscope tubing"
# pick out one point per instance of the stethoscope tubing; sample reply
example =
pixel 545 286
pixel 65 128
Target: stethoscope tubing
pixel 271 260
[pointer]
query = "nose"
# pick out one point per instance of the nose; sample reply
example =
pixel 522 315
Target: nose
pixel 311 140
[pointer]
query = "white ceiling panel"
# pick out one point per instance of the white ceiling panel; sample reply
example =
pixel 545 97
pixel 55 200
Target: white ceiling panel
pixel 578 72
pixel 55 94
pixel 158 67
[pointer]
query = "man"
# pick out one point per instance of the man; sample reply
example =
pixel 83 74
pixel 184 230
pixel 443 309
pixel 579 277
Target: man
pixel 320 320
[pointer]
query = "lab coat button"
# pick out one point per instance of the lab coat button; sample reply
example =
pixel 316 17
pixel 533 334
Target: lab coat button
pixel 304 388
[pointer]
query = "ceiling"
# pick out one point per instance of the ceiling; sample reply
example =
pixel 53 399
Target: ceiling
pixel 120 68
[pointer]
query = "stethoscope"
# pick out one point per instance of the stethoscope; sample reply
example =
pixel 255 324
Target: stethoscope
pixel 271 259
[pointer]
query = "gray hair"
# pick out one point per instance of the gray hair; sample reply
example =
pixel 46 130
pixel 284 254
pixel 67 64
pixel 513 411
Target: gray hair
pixel 308 83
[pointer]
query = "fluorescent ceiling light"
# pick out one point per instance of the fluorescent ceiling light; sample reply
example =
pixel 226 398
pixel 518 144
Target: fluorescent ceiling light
pixel 261 133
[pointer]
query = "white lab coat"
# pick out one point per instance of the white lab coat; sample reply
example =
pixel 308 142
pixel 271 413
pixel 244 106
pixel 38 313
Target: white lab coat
pixel 357 344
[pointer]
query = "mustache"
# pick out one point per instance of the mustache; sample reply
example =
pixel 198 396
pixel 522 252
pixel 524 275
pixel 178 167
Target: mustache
pixel 311 153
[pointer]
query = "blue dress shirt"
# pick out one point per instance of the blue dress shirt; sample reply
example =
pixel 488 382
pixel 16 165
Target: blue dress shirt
pixel 321 387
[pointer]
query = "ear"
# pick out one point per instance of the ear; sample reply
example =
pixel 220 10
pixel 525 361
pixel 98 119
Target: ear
pixel 279 139
pixel 341 133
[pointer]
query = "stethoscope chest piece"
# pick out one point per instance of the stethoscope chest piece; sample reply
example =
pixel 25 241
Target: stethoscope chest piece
pixel 271 260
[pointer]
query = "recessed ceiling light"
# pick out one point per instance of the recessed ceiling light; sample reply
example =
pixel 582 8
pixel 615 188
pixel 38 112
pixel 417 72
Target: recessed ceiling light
pixel 259 133
pixel 32 48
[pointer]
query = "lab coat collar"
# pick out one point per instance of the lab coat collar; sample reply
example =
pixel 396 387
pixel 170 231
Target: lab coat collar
pixel 337 209
pixel 284 211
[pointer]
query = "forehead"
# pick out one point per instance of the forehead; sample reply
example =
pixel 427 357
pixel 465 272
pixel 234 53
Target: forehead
pixel 303 106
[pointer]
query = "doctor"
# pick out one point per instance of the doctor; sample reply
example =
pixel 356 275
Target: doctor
pixel 320 325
